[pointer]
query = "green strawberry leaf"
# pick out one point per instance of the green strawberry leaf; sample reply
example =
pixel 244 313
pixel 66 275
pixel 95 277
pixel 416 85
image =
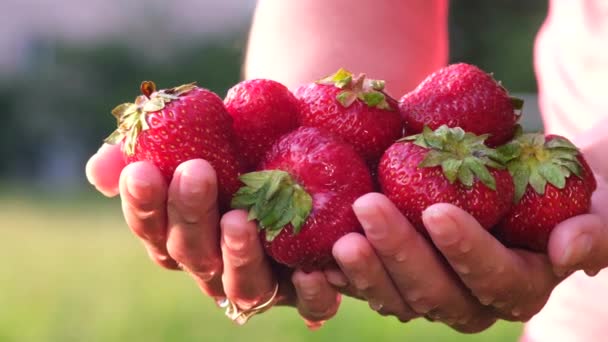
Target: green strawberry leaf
pixel 517 103
pixel 508 152
pixel 558 142
pixel 465 176
pixel 481 172
pixel 274 199
pixel 346 98
pixel 450 169
pixel 434 158
pixel 553 174
pixel 537 181
pixel 520 172
pixel 372 99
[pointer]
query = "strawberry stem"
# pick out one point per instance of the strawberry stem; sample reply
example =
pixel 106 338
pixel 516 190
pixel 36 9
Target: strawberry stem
pixel 147 88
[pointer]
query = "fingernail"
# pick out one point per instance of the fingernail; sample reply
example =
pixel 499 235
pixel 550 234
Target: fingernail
pixel 139 188
pixel 485 300
pixel 309 290
pixel 374 229
pixel 442 228
pixel 578 250
pixel 235 239
pixel 314 326
pixel 592 273
pixel 375 305
pixel 191 188
pixel 221 302
pixel 336 278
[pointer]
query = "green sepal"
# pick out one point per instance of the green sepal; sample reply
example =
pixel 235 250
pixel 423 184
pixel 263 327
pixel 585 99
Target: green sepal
pixel 480 171
pixel 340 79
pixel 368 91
pixel 450 169
pixel 131 117
pixel 520 173
pixel 462 156
pixel 553 173
pixel 346 98
pixel 534 161
pixel 517 103
pixel 274 199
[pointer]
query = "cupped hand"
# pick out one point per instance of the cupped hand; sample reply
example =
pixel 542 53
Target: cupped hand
pixel 178 224
pixel 463 276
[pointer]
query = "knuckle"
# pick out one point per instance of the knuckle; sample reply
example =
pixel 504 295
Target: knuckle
pixel 240 261
pixel 164 261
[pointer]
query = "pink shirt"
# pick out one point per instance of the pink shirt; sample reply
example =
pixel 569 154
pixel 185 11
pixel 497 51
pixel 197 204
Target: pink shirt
pixel 571 60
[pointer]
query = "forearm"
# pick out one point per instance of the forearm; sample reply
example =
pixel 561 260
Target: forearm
pixel 298 41
pixel 594 145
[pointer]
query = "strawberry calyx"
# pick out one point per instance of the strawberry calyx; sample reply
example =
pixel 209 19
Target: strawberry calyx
pixel 369 91
pixel 462 156
pixel 131 117
pixel 532 159
pixel 274 199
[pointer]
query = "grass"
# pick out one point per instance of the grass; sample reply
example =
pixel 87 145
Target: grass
pixel 73 272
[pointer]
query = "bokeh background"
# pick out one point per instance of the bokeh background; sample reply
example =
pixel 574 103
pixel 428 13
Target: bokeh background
pixel 72 271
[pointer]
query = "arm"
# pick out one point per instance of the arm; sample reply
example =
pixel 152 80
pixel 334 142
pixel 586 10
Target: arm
pixel 301 41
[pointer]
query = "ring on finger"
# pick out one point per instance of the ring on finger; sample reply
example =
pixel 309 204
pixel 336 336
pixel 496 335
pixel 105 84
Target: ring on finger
pixel 241 316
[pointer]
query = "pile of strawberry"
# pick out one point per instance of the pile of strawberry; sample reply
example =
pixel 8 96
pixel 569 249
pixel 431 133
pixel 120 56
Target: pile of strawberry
pixel 297 161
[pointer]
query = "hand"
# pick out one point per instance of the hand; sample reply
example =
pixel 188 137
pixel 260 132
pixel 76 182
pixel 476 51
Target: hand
pixel 178 225
pixel 464 277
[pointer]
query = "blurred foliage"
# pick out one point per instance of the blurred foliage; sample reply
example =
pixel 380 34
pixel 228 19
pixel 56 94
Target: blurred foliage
pixel 71 92
pixel 64 93
pixel 497 36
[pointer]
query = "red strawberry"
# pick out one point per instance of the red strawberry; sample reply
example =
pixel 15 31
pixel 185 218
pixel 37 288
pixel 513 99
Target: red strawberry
pixel 552 183
pixel 262 110
pixel 446 166
pixel 462 95
pixel 170 126
pixel 354 108
pixel 302 196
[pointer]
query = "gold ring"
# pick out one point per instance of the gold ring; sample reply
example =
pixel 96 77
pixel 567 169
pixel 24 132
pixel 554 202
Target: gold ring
pixel 240 316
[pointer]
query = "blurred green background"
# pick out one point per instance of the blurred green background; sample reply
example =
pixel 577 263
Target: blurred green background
pixel 73 272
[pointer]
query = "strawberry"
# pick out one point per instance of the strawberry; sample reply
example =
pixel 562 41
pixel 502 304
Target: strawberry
pixel 262 110
pixel 302 196
pixel 552 183
pixel 170 126
pixel 355 109
pixel 462 95
pixel 448 166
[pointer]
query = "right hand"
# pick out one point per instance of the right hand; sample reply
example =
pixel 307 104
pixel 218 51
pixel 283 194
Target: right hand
pixel 178 225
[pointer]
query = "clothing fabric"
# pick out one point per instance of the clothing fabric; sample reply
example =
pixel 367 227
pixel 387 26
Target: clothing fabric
pixel 571 63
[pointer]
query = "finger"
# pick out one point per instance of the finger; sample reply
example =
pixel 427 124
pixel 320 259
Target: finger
pixel 143 193
pixel 418 272
pixel 517 284
pixel 248 278
pixel 317 300
pixel 580 242
pixel 104 167
pixel 193 234
pixel 365 272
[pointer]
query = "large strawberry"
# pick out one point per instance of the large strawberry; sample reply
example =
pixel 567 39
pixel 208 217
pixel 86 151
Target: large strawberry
pixel 262 110
pixel 354 108
pixel 462 95
pixel 302 196
pixel 552 183
pixel 448 166
pixel 170 126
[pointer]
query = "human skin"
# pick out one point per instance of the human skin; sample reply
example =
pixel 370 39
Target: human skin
pixel 396 270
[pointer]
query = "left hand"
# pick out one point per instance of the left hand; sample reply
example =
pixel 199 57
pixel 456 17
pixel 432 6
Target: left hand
pixel 464 277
